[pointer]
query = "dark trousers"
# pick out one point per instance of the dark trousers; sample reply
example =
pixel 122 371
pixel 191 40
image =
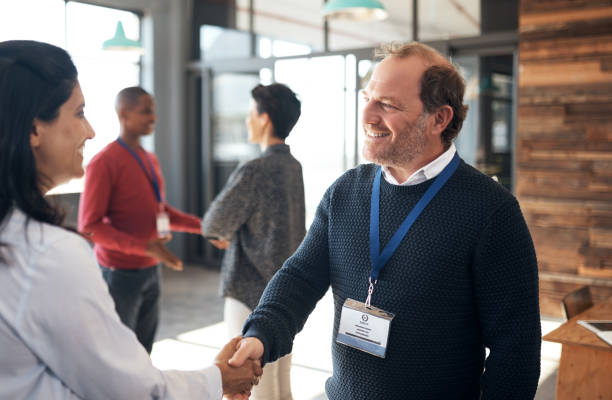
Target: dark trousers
pixel 136 294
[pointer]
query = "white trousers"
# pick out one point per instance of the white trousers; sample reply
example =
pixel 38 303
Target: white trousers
pixel 275 384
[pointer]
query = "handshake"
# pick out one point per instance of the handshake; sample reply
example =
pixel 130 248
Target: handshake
pixel 240 364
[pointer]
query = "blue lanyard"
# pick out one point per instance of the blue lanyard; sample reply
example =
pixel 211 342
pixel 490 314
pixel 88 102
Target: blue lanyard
pixel 380 259
pixel 151 178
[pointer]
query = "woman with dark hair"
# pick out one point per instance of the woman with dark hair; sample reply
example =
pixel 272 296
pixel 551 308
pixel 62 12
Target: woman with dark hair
pixel 259 217
pixel 60 337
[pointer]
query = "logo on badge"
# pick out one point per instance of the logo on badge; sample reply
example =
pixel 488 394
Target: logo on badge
pixel 364 317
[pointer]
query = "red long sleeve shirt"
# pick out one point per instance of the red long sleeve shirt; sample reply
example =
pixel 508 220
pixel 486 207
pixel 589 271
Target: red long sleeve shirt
pixel 118 208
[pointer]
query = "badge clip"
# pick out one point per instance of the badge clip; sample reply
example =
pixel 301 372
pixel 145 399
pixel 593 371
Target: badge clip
pixel 368 302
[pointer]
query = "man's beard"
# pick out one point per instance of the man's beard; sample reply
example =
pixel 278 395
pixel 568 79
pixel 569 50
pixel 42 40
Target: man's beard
pixel 409 145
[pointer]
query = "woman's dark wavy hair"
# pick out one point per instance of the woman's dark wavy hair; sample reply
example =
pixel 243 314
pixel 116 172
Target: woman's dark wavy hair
pixel 35 80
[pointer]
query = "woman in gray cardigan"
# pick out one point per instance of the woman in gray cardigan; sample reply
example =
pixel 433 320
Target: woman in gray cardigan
pixel 259 219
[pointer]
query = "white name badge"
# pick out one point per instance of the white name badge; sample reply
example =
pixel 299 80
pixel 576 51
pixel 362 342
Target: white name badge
pixel 163 225
pixel 364 328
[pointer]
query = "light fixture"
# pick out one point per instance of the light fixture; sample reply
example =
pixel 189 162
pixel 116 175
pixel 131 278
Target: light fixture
pixel 355 10
pixel 121 43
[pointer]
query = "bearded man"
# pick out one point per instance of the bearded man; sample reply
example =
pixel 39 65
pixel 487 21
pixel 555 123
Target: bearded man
pixel 439 252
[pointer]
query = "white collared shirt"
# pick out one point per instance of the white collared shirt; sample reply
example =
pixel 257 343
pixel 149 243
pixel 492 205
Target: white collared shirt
pixel 60 336
pixel 426 172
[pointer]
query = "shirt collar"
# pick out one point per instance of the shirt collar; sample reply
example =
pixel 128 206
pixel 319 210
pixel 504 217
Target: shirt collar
pixel 426 172
pixel 279 147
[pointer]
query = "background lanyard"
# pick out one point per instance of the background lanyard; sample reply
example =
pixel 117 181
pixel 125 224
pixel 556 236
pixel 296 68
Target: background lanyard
pixel 151 178
pixel 380 259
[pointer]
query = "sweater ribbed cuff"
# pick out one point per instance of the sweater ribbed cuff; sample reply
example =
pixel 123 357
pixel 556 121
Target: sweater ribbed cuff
pixel 256 333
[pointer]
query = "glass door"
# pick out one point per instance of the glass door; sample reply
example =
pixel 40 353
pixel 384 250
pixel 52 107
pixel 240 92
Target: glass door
pixel 324 139
pixel 230 105
pixel 225 100
pixel 318 139
pixel 486 139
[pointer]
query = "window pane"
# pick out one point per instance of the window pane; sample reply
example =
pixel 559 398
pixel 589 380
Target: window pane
pixel 485 140
pixel 219 43
pixel 350 112
pixel 102 74
pixel 231 102
pixel 467 141
pixel 317 140
pixel 242 15
pixel 89 26
pixel 230 105
pixel 365 69
pixel 18 22
pixel 502 119
pixel 443 19
pixel 294 21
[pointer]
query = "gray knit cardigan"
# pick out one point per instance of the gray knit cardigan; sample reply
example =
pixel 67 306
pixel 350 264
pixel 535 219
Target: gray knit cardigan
pixel 261 211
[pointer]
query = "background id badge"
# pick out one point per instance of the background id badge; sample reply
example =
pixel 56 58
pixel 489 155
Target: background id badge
pixel 364 328
pixel 163 224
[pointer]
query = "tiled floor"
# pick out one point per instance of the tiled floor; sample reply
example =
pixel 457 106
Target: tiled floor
pixel 192 332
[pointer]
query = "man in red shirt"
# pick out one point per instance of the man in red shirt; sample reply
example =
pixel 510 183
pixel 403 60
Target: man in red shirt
pixel 122 210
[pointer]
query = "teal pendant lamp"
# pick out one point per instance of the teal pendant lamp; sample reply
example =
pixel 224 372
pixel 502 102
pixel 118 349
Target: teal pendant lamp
pixel 121 43
pixel 355 10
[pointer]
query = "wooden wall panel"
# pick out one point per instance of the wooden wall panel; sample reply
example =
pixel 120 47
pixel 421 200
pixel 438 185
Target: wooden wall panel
pixel 565 48
pixel 564 143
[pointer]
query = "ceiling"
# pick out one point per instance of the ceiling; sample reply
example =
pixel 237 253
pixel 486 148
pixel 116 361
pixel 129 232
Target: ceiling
pixel 301 21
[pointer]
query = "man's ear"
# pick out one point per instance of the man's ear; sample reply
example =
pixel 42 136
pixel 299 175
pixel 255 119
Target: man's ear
pixel 265 119
pixel 121 113
pixel 441 118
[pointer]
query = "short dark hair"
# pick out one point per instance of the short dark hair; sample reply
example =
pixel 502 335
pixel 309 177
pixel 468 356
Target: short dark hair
pixel 35 80
pixel 129 97
pixel 441 84
pixel 281 104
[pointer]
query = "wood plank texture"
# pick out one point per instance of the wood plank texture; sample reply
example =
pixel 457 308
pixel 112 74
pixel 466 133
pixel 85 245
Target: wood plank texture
pixel 536 6
pixel 564 141
pixel 572 333
pixel 601 27
pixel 586 360
pixel 555 16
pixel 557 73
pixel 565 94
pixel 579 48
pixel 553 286
pixel 584 373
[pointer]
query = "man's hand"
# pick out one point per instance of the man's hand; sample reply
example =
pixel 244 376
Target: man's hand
pixel 157 249
pixel 249 348
pixel 237 381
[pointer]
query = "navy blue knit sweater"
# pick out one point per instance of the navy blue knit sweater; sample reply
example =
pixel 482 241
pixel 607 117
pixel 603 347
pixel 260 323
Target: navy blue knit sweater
pixel 463 278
